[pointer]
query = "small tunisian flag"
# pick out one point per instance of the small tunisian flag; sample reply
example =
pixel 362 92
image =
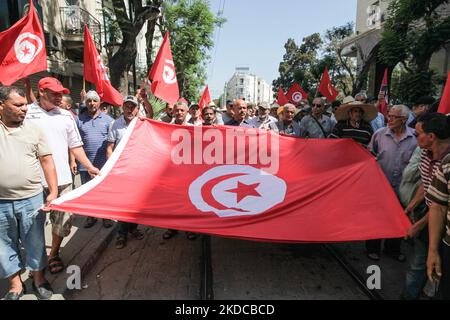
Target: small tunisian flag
pixel 383 106
pixel 22 49
pixel 444 106
pixel 282 100
pixel 296 94
pixel 163 75
pixel 326 87
pixel 94 71
pixel 205 99
pixel 244 183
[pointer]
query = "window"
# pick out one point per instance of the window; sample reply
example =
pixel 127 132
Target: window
pixel 241 81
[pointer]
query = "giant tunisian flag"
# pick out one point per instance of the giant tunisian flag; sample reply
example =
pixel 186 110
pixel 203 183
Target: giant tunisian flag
pixel 95 72
pixel 22 49
pixel 183 178
pixel 163 75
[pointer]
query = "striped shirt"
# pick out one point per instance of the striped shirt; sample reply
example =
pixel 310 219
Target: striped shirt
pixel 344 129
pixel 94 133
pixel 428 167
pixel 439 192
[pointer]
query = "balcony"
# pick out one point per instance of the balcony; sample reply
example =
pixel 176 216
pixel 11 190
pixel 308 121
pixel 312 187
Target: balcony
pixel 73 19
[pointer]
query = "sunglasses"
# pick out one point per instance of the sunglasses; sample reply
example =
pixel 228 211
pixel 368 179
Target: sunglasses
pixel 390 116
pixel 317 105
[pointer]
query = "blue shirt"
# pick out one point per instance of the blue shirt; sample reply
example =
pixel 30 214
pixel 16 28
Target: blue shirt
pixel 94 132
pixel 393 155
pixel 378 122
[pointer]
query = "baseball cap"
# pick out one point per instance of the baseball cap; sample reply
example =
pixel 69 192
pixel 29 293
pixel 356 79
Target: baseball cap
pixel 52 84
pixel 264 105
pixel 132 99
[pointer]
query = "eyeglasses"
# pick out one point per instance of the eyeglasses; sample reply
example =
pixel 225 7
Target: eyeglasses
pixel 391 116
pixel 317 105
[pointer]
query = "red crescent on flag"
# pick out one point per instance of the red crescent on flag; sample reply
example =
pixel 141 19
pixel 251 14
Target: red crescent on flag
pixel 206 191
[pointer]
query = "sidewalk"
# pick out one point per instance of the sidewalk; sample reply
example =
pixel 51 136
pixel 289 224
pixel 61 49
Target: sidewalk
pixel 81 248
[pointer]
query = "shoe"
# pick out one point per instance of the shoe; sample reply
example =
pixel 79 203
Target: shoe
pixel 373 256
pixel 137 234
pixel 15 295
pixel 90 222
pixel 121 242
pixel 191 235
pixel 44 291
pixel 399 257
pixel 107 223
pixel 169 234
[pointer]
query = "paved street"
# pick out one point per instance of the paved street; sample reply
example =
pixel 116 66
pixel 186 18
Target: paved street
pixel 156 269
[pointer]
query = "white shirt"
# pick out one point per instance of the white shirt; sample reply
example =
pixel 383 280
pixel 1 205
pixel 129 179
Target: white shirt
pixel 62 134
pixel 117 130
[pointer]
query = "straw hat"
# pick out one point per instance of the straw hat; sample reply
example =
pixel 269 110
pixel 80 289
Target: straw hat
pixel 370 111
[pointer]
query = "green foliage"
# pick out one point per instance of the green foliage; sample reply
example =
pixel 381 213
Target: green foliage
pixel 157 104
pixel 305 64
pixel 413 31
pixel 191 25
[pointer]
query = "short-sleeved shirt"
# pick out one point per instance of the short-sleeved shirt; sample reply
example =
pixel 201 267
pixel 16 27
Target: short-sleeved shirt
pixel 439 192
pixel 94 133
pixel 392 155
pixel 269 123
pixel 309 128
pixel 117 130
pixel 362 134
pixel 428 168
pixel 20 169
pixel 62 134
pixel 291 130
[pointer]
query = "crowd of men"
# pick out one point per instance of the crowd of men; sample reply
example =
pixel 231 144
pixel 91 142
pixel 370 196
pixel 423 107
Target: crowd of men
pixel 44 144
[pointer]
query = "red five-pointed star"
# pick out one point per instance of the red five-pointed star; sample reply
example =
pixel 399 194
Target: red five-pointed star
pixel 26 51
pixel 244 190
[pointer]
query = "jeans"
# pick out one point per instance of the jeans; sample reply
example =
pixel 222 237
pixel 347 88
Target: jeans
pixel 22 220
pixel 416 276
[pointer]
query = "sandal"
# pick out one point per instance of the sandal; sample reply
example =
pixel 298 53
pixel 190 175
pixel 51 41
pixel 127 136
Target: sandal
pixel 55 265
pixel 121 242
pixel 169 234
pixel 137 234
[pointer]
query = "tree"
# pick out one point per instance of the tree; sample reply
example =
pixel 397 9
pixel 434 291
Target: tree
pixel 298 62
pixel 191 25
pixel 125 56
pixel 413 31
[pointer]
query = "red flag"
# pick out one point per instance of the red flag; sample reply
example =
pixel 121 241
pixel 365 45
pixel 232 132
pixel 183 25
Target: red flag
pixel 22 50
pixel 163 75
pixel 282 100
pixel 244 183
pixel 296 94
pixel 326 87
pixel 94 71
pixel 383 106
pixel 444 106
pixel 205 99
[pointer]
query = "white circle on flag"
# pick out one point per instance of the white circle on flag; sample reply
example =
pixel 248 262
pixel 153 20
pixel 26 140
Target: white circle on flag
pixel 297 97
pixel 27 47
pixel 169 75
pixel 216 191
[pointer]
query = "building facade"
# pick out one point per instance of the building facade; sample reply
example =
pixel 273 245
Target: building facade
pixel 244 85
pixel 364 44
pixel 63 24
